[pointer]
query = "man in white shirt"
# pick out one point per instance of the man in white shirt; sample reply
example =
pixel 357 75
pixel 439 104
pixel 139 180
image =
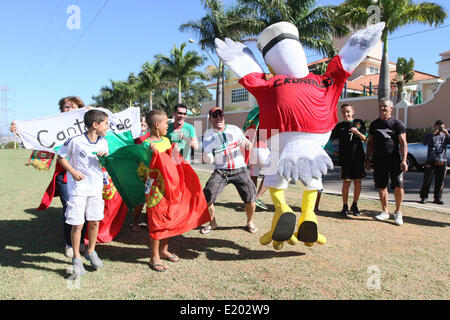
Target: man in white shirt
pixel 222 145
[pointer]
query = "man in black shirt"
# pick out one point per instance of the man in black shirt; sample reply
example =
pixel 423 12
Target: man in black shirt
pixel 387 141
pixel 351 133
pixel 436 164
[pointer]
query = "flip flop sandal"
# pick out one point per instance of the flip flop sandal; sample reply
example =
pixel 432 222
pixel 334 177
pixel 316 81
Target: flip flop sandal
pixel 155 265
pixel 206 230
pixel 250 229
pixel 307 232
pixel 172 258
pixel 285 227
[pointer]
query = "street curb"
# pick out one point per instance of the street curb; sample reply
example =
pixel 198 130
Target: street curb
pixel 338 193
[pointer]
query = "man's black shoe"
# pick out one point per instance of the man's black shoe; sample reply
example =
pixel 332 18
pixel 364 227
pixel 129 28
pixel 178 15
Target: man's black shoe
pixel 423 200
pixel 438 201
pixel 354 209
pixel 344 212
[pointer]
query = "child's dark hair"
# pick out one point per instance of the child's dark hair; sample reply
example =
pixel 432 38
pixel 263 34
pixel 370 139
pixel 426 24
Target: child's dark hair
pixel 94 116
pixel 154 116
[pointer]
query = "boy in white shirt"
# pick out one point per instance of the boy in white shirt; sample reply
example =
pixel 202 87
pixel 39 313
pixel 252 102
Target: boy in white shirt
pixel 78 156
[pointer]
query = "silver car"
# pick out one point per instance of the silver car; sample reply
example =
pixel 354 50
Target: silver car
pixel 417 155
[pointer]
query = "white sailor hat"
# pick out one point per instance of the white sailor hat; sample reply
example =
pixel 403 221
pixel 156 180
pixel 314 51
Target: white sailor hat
pixel 276 33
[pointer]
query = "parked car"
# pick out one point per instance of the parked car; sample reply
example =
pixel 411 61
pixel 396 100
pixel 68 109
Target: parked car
pixel 417 153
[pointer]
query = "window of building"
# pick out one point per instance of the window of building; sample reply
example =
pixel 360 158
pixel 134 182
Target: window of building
pixel 373 70
pixel 239 95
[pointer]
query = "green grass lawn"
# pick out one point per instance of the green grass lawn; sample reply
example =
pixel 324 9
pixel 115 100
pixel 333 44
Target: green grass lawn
pixel 363 258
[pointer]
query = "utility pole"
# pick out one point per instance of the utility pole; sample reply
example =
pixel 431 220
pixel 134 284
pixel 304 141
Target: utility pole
pixel 4 111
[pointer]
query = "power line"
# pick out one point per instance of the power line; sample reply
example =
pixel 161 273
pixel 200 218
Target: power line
pixel 43 36
pixel 414 33
pixel 76 42
pixel 52 45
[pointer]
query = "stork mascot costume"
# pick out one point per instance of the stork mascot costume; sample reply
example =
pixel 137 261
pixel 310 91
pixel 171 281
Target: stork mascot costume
pixel 298 111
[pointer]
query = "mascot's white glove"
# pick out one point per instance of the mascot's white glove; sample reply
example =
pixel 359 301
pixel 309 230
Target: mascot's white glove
pixel 358 46
pixel 304 160
pixel 259 156
pixel 238 57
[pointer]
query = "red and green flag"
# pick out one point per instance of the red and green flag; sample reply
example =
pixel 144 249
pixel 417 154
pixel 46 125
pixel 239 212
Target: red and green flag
pixel 165 182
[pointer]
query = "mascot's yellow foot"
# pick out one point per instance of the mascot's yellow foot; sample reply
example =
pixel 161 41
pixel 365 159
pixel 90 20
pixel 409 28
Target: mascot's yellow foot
pixel 307 226
pixel 277 245
pixel 320 240
pixel 293 240
pixel 285 227
pixel 266 238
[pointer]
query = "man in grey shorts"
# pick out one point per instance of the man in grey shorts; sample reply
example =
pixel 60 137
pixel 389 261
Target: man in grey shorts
pixel 222 145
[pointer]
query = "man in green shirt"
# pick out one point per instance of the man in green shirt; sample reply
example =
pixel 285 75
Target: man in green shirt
pixel 182 133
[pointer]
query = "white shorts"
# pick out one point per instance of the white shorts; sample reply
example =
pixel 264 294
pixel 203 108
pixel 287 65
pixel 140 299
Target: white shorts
pixel 84 208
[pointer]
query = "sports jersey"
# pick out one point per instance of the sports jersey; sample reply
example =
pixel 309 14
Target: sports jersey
pixel 188 132
pixel 224 147
pixel 385 136
pixel 298 104
pixel 350 146
pixel 79 151
pixel 161 145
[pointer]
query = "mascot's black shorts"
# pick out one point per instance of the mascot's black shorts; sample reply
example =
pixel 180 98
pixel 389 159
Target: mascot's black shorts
pixel 222 177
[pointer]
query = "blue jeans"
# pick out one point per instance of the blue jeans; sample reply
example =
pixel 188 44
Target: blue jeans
pixel 64 197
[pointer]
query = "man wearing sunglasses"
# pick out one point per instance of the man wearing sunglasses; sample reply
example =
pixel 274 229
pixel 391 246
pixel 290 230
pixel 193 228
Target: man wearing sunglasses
pixel 223 144
pixel 182 133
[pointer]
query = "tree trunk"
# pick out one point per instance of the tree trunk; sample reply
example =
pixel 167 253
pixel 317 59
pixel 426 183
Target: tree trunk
pixel 219 90
pixel 150 101
pixel 179 92
pixel 384 84
pixel 399 91
pixel 222 75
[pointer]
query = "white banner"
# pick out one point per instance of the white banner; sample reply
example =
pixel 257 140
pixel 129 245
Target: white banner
pixel 48 133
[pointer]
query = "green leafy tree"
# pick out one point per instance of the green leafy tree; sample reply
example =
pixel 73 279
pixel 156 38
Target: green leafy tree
pixel 218 22
pixel 180 67
pixel 150 79
pixel 396 14
pixel 316 24
pixel 405 73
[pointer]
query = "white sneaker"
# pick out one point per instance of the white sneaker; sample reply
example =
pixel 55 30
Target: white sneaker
pixel 68 251
pixel 398 218
pixel 382 216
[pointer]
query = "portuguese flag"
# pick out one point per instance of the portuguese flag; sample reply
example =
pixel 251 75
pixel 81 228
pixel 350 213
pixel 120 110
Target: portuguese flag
pixel 165 182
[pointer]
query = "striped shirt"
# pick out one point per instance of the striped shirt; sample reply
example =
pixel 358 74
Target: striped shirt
pixel 223 146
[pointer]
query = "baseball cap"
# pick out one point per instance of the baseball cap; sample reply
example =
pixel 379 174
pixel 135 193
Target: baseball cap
pixel 439 123
pixel 215 109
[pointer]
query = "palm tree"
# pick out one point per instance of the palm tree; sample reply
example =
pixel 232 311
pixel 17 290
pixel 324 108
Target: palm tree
pixel 166 100
pixel 181 67
pixel 396 14
pixel 218 23
pixel 316 24
pixel 405 73
pixel 150 79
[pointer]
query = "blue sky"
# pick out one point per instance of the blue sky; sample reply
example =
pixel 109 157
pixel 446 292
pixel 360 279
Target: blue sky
pixel 42 60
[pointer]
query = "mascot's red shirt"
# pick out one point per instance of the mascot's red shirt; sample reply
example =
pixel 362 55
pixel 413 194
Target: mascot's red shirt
pixel 298 104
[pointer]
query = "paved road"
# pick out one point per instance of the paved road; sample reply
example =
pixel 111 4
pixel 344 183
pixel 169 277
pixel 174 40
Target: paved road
pixel 413 182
